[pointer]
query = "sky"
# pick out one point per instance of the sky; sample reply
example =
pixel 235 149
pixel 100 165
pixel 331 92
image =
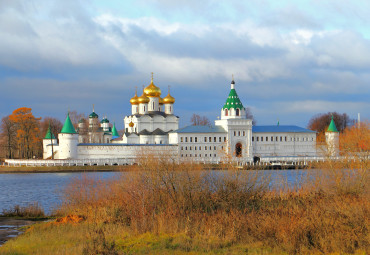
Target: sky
pixel 291 60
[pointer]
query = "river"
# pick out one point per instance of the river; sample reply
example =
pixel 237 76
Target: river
pixel 46 188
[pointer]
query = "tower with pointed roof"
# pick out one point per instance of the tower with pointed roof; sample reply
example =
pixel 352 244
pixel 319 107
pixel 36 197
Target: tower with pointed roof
pixel 48 141
pixel 332 139
pixel 68 140
pixel 233 107
pixel 238 127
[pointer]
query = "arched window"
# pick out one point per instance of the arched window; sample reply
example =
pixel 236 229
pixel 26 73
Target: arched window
pixel 153 106
pixel 170 109
pixel 226 112
pixel 237 112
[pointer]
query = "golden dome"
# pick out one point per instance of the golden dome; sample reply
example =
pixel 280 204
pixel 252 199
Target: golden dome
pixel 143 99
pixel 169 99
pixel 135 99
pixel 152 90
pixel 161 100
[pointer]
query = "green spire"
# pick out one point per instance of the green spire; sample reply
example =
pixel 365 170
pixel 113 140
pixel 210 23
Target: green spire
pixel 332 127
pixel 114 131
pixel 68 127
pixel 233 101
pixel 49 134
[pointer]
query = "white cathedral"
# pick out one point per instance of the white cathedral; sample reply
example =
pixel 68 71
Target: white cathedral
pixel 152 126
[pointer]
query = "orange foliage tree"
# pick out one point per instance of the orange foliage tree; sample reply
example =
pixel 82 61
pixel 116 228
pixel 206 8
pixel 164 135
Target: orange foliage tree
pixel 355 140
pixel 27 129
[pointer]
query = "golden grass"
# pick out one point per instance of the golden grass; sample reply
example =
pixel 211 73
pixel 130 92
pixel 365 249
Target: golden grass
pixel 165 208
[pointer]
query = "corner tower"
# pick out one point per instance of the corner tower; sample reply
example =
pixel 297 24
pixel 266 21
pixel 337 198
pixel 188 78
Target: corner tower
pixel 332 139
pixel 238 127
pixel 49 144
pixel 68 140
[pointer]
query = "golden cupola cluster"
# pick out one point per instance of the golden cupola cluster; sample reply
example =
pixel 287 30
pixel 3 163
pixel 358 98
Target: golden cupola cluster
pixel 152 91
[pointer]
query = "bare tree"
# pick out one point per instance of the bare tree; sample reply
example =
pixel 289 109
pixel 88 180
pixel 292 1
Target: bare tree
pixel 55 126
pixel 197 120
pixel 76 117
pixel 8 134
pixel 321 121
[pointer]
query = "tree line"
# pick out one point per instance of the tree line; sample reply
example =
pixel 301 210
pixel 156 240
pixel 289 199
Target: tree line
pixel 22 133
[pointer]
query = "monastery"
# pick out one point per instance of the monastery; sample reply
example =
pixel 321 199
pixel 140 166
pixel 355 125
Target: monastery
pixel 153 126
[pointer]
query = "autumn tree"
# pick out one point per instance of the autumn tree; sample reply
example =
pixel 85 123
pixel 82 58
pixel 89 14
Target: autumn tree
pixel 27 130
pixel 197 120
pixel 321 121
pixel 8 135
pixel 356 139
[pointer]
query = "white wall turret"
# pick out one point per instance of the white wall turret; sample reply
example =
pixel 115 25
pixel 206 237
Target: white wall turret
pixel 50 145
pixel 68 140
pixel 332 139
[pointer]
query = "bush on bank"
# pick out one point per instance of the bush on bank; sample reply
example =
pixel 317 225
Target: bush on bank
pixel 162 207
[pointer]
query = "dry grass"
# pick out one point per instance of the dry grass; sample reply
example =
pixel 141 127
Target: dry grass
pixel 33 210
pixel 165 208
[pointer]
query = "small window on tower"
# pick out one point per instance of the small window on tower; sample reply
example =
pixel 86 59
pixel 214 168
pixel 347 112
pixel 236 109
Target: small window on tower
pixel 226 112
pixel 237 112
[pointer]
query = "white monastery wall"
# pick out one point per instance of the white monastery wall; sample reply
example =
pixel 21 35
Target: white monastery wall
pixel 284 144
pixel 124 151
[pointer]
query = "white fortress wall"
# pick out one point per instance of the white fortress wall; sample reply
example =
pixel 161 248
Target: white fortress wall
pixel 119 151
pixel 284 144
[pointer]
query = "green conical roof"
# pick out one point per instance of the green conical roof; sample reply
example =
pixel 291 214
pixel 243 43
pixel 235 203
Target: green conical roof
pixel 332 127
pixel 68 126
pixel 114 131
pixel 49 134
pixel 233 101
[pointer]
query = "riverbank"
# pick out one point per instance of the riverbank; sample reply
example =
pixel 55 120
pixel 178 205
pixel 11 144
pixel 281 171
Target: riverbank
pixel 69 169
pixel 12 227
pixel 166 208
pixel 61 169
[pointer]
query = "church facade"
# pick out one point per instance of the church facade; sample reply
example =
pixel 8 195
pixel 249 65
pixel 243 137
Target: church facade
pixel 153 126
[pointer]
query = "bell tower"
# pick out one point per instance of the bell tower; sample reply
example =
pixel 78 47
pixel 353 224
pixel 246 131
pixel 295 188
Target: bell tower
pixel 238 127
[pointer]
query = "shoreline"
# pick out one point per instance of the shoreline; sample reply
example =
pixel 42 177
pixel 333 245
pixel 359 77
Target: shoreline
pixel 81 169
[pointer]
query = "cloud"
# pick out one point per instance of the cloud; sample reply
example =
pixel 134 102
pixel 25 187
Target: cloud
pixel 281 54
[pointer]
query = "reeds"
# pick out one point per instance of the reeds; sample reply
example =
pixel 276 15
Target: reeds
pixel 328 212
pixel 33 210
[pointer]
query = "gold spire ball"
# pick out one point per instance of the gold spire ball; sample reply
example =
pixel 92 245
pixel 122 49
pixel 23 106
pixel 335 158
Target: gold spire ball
pixel 169 99
pixel 152 90
pixel 135 99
